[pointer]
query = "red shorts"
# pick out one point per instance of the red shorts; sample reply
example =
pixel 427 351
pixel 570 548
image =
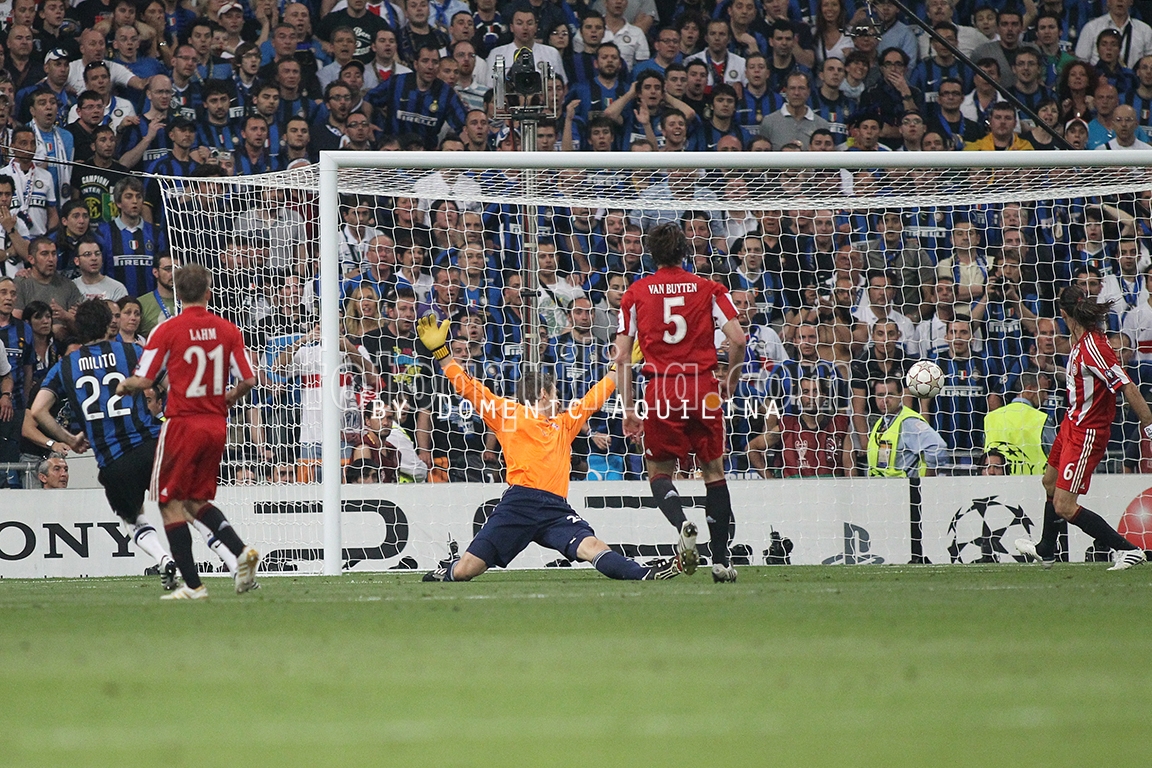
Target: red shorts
pixel 188 458
pixel 1075 454
pixel 684 417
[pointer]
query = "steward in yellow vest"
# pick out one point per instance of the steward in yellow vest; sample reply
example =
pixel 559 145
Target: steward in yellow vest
pixel 901 443
pixel 1017 431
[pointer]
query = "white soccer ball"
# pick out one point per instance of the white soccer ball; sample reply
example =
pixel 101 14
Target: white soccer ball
pixel 925 379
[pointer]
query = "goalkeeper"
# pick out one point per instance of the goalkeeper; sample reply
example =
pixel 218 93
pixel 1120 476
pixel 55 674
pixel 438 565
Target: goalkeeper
pixel 537 443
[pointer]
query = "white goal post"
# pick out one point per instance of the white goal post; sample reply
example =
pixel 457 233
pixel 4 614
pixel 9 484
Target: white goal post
pixel 777 181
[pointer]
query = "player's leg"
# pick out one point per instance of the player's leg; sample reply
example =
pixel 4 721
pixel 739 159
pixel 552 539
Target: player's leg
pixel 615 566
pixel 718 503
pixel 216 546
pixel 668 499
pixel 1080 456
pixel 180 542
pixel 125 483
pixel 507 531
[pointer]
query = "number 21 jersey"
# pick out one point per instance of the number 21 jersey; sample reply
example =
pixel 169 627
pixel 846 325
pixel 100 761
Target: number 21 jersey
pixel 199 351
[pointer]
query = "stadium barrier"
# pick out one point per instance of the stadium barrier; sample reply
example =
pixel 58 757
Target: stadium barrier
pixel 69 533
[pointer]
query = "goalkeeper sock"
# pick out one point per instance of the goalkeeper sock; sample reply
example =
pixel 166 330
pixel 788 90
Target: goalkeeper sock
pixel 219 525
pixel 668 500
pixel 216 546
pixel 180 540
pixel 148 540
pixel 718 503
pixel 1053 524
pixel 615 566
pixel 1096 527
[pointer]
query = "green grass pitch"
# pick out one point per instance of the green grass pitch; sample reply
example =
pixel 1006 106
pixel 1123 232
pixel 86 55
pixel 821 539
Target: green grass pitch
pixel 871 665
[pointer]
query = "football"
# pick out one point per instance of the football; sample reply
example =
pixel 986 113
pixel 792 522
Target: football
pixel 925 379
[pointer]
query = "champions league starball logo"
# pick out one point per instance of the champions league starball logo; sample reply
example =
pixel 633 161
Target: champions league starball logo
pixel 983 532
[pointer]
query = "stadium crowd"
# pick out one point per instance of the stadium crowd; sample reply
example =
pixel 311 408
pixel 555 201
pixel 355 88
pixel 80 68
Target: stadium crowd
pixel 97 97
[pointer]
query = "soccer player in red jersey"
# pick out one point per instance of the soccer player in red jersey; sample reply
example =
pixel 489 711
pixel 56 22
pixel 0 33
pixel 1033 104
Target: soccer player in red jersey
pixel 674 314
pixel 1094 378
pixel 199 351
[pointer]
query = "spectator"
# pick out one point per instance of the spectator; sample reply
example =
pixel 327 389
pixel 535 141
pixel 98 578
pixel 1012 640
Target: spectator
pixel 424 87
pixel 830 102
pixel 92 284
pixel 147 140
pixel 1028 88
pixel 1137 34
pixel 857 67
pixel 388 448
pixel 594 96
pixel 931 332
pixel 35 199
pixel 994 463
pixel 53 472
pixel 17 359
pixel 901 444
pixel 881 360
pixel 807 362
pixel 159 304
pixel 832 41
pixel 879 305
pixel 906 263
pixel 1009 26
pixel 629 39
pixel 1047 39
pixel 814 441
pixel 44 283
pixel 113 108
pixel 967 265
pixel 216 129
pixel 1108 62
pixel 966 38
pixel 524 28
pixel 933 70
pixel 795 121
pixel 130 320
pixel 18 62
pixel 1124 128
pixel 1101 129
pixel 343 51
pixel 129 242
pixel 667 47
pixel 958 411
pixel 384 63
pixel 128 39
pixel 1002 131
pixel 1041 136
pixel 15 237
pixel 784 57
pixel 977 105
pixel 54 81
pixel 946 117
pixel 891 96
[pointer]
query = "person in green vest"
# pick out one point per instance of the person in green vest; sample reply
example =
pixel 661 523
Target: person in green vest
pixel 1020 431
pixel 901 443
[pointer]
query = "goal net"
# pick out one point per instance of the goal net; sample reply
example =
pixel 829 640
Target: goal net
pixel 846 270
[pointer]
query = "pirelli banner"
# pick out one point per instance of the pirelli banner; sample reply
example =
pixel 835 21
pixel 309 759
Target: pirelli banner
pixel 72 533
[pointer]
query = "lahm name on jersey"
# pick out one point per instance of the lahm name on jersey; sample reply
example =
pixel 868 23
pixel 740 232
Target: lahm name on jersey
pixel 671 288
pixel 107 360
pixel 202 334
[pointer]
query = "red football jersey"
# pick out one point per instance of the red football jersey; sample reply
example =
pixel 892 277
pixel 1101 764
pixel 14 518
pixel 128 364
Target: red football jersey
pixel 813 452
pixel 673 314
pixel 199 350
pixel 1094 378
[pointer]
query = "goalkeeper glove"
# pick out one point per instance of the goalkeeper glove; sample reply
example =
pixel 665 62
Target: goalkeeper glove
pixel 434 335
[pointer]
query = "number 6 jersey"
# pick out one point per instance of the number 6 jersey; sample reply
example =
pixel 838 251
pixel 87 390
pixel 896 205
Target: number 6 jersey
pixel 88 378
pixel 199 350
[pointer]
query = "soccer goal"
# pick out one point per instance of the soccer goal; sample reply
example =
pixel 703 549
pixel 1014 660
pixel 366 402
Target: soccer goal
pixel 847 268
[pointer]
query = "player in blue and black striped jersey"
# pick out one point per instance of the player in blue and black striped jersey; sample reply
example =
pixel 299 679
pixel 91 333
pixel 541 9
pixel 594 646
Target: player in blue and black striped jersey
pixel 418 102
pixel 120 430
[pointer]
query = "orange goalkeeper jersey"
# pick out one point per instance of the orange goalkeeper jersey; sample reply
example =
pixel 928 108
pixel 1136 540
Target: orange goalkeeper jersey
pixel 537 450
